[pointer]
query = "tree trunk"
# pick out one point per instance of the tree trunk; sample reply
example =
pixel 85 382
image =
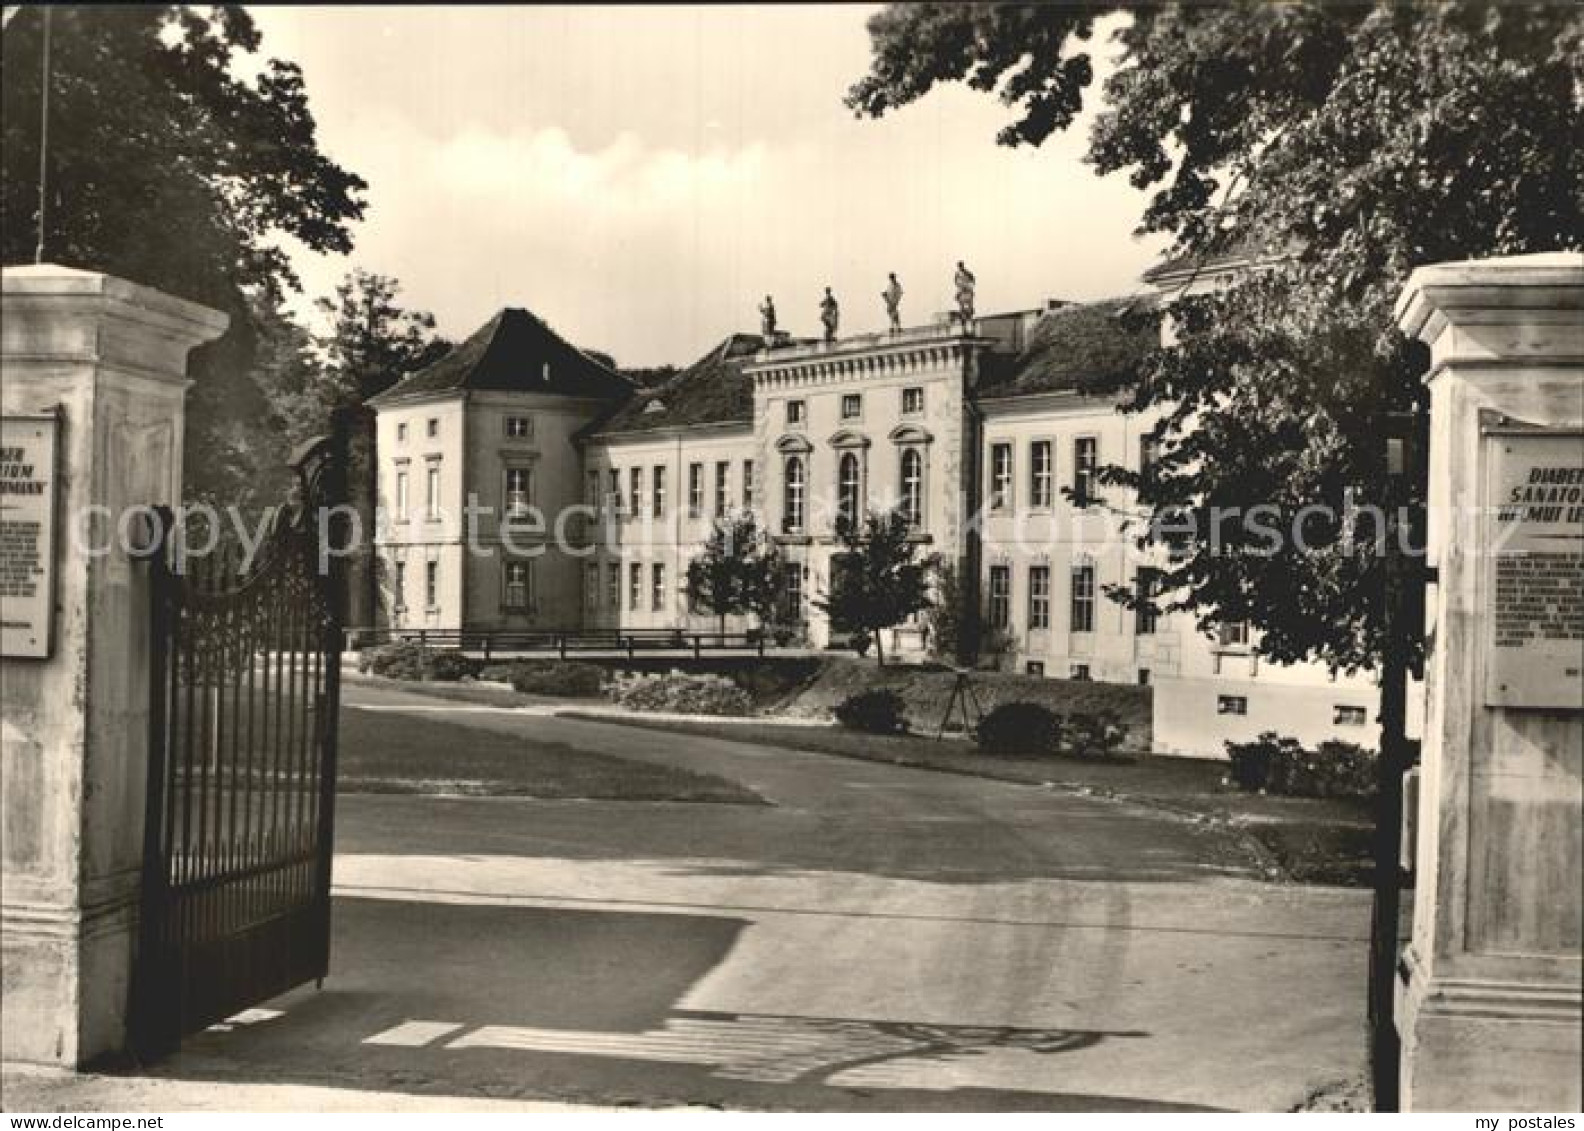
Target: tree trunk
pixel 879 648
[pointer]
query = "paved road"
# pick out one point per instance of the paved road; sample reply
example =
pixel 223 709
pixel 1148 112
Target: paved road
pixel 879 937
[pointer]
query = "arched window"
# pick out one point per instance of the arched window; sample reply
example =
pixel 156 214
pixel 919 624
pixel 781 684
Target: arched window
pixel 792 511
pixel 847 488
pixel 913 486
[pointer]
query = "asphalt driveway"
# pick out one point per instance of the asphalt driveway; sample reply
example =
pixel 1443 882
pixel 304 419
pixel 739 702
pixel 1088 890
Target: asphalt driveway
pixel 876 937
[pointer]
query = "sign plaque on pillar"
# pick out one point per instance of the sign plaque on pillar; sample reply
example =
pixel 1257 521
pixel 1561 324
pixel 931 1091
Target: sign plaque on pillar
pixel 1534 567
pixel 29 482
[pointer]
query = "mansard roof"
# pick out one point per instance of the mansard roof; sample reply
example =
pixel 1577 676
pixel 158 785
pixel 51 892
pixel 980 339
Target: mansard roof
pixel 1077 347
pixel 713 390
pixel 514 351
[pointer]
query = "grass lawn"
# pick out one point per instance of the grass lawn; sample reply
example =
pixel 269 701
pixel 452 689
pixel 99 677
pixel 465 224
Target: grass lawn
pixel 1311 841
pixel 390 752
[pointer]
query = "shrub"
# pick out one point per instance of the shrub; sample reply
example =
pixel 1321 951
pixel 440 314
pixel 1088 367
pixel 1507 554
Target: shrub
pixel 875 712
pixel 557 677
pixel 1272 763
pixel 446 665
pixel 1019 728
pixel 1093 735
pixel 682 694
pixel 401 659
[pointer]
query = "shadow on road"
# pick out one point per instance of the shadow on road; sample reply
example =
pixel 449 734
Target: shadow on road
pixel 581 1005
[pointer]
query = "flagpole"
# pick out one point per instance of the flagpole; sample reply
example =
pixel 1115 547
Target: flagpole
pixel 44 89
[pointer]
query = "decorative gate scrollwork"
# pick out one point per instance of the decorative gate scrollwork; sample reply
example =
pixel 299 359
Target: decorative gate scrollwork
pixel 244 687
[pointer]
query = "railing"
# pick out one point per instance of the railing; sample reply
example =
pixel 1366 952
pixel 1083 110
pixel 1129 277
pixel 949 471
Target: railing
pixel 491 641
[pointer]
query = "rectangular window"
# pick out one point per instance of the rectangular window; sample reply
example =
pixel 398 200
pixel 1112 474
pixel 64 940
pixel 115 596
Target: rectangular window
pixel 1000 610
pixel 591 489
pixel 432 501
pixel 519 485
pixel 793 595
pixel 695 490
pixel 518 578
pixel 1231 704
pixel 1085 460
pixel 432 428
pixel 1149 456
pixel 796 411
pixel 635 492
pixel 613 494
pixel 1346 716
pixel 659 491
pixel 613 586
pixel 401 496
pixel 519 427
pixel 657 592
pixel 1000 476
pixel 1079 672
pixel 1145 616
pixel 1034 667
pixel 1235 634
pixel 1083 598
pixel 1039 597
pixel 590 586
pixel 851 406
pixel 912 401
pixel 747 485
pixel 431 585
pixel 1040 471
pixel 399 581
pixel 722 486
pixel 635 586
pixel 1143 677
pixel 401 433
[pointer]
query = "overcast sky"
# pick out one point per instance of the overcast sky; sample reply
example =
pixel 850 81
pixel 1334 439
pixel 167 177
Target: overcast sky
pixel 642 176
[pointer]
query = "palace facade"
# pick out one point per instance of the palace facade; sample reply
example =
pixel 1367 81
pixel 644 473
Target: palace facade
pixel 526 485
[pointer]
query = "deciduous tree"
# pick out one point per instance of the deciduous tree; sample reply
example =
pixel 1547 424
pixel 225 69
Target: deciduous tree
pixel 878 579
pixel 1342 145
pixel 738 571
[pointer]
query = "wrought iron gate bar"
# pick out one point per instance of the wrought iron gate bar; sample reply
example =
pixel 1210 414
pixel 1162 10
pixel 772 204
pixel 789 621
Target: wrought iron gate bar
pixel 245 663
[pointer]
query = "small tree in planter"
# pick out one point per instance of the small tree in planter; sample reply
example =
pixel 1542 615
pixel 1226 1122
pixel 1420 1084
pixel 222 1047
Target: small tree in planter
pixel 738 572
pixel 879 581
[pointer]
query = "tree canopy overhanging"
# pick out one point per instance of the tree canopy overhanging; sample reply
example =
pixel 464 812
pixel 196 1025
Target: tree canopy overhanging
pixel 179 160
pixel 1340 144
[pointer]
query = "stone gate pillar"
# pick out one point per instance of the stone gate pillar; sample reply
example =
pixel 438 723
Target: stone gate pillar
pixel 1489 1005
pixel 99 365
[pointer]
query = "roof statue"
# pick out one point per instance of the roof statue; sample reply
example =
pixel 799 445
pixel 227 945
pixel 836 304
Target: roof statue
pixel 830 315
pixel 893 303
pixel 965 294
pixel 767 321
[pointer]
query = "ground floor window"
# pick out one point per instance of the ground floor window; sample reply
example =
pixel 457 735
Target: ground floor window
pixel 431 585
pixel 792 594
pixel 1000 611
pixel 399 582
pixel 1231 704
pixel 635 586
pixel 1034 667
pixel 1143 677
pixel 517 587
pixel 590 586
pixel 657 587
pixel 1347 716
pixel 613 586
pixel 1083 598
pixel 1079 672
pixel 1039 598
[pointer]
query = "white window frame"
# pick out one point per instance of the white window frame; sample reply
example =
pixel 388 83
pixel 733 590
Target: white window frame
pixel 516 503
pixel 695 490
pixel 1081 602
pixel 852 402
pixel 519 427
pixel 794 496
pixel 998 597
pixel 518 595
pixel 1086 464
pixel 911 495
pixel 913 392
pixel 1042 482
pixel 657 587
pixel 1039 594
pixel 1001 477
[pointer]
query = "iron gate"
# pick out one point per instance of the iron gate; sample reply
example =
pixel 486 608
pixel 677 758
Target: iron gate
pixel 245 683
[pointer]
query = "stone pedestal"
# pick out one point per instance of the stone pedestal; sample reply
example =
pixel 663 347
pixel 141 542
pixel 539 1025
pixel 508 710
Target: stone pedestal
pixel 109 359
pixel 1489 1005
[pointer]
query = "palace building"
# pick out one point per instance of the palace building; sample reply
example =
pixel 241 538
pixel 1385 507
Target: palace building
pixel 526 485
